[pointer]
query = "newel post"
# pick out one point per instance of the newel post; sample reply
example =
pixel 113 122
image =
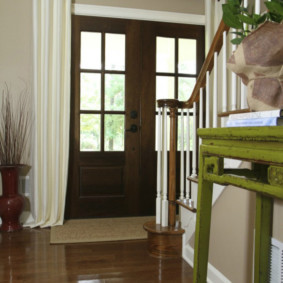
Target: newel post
pixel 172 104
pixel 172 166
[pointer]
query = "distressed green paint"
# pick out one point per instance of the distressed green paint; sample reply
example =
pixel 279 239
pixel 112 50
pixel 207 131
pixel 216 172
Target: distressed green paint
pixel 251 185
pixel 270 134
pixel 245 153
pixel 204 204
pixel 213 165
pixel 264 214
pixel 264 147
pixel 275 175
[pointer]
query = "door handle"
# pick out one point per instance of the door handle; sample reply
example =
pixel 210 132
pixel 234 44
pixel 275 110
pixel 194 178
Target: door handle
pixel 133 128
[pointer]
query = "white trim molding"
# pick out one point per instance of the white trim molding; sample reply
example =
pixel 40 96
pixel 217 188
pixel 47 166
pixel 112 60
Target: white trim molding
pixel 137 14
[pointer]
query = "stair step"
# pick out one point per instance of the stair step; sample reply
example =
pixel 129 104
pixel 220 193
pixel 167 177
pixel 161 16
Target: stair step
pixel 225 114
pixel 185 203
pixel 193 179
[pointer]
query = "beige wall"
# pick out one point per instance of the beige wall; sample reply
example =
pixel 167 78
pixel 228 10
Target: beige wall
pixel 178 6
pixel 16 43
pixel 15 46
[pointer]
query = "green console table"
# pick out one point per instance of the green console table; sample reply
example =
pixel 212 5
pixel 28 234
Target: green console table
pixel 263 147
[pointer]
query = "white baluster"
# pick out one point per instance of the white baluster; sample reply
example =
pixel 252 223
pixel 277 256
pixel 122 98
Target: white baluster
pixel 182 156
pixel 200 111
pixel 224 79
pixel 194 167
pixel 201 108
pixel 243 87
pixel 159 167
pixel 233 81
pixel 164 213
pixel 215 92
pixel 188 162
pixel 257 6
pixel 207 90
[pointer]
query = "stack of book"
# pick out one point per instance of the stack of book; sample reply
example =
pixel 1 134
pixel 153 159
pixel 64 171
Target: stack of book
pixel 256 119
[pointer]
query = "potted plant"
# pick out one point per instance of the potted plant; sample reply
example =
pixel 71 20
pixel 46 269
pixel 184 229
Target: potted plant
pixel 258 59
pixel 15 126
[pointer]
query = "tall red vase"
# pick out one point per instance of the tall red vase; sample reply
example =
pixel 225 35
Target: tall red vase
pixel 11 203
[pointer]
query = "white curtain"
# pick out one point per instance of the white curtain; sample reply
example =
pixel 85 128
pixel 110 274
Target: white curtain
pixel 52 45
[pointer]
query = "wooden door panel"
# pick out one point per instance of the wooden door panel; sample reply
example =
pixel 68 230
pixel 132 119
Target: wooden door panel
pixel 101 181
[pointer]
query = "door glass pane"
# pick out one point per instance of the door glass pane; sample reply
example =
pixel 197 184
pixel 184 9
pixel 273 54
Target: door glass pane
pixel 186 86
pixel 90 50
pixel 114 92
pixel 90 132
pixel 164 87
pixel 115 51
pixel 114 132
pixel 165 54
pixel 187 56
pixel 90 91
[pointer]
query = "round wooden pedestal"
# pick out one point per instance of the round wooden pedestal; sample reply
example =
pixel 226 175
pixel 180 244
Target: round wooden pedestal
pixel 164 242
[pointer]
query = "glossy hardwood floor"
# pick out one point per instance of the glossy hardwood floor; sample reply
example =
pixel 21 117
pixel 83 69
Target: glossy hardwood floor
pixel 27 256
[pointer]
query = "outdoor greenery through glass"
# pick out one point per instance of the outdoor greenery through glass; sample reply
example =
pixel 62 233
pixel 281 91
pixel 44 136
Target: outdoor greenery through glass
pixel 94 113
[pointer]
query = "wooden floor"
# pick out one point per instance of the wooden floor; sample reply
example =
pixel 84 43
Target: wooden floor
pixel 27 256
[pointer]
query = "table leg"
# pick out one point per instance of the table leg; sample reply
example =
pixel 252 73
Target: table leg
pixel 263 234
pixel 202 227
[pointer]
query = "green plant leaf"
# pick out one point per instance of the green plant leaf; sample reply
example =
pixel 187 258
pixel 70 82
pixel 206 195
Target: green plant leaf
pixel 247 20
pixel 229 18
pixel 237 40
pixel 260 19
pixel 237 33
pixel 274 7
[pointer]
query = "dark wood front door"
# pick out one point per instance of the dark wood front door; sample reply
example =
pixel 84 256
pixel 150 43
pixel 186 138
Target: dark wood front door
pixel 112 165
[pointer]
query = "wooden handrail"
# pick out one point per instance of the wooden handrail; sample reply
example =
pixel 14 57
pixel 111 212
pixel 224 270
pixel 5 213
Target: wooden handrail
pixel 208 65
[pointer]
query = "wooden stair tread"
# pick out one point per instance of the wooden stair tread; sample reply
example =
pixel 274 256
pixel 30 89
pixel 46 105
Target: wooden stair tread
pixel 193 179
pixel 185 203
pixel 152 227
pixel 226 114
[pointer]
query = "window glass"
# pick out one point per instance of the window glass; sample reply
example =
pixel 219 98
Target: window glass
pixel 114 92
pixel 187 56
pixel 186 86
pixel 90 91
pixel 165 54
pixel 114 132
pixel 164 87
pixel 115 51
pixel 90 50
pixel 90 132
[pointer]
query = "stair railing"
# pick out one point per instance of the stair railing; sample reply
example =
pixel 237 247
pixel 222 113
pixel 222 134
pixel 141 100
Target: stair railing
pixel 166 202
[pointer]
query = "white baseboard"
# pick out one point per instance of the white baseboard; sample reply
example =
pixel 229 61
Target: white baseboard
pixel 213 274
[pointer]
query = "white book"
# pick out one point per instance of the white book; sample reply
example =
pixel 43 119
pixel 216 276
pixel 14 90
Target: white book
pixel 257 114
pixel 255 122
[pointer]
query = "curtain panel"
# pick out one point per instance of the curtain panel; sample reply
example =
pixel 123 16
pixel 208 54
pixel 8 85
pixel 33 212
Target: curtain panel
pixel 52 45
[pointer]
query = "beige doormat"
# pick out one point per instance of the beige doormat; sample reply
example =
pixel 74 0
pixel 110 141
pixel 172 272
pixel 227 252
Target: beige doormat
pixel 100 230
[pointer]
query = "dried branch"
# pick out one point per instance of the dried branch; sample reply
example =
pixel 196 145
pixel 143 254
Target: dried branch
pixel 15 128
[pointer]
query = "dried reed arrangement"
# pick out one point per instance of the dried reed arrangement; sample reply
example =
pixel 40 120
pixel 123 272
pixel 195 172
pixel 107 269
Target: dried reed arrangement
pixel 15 128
